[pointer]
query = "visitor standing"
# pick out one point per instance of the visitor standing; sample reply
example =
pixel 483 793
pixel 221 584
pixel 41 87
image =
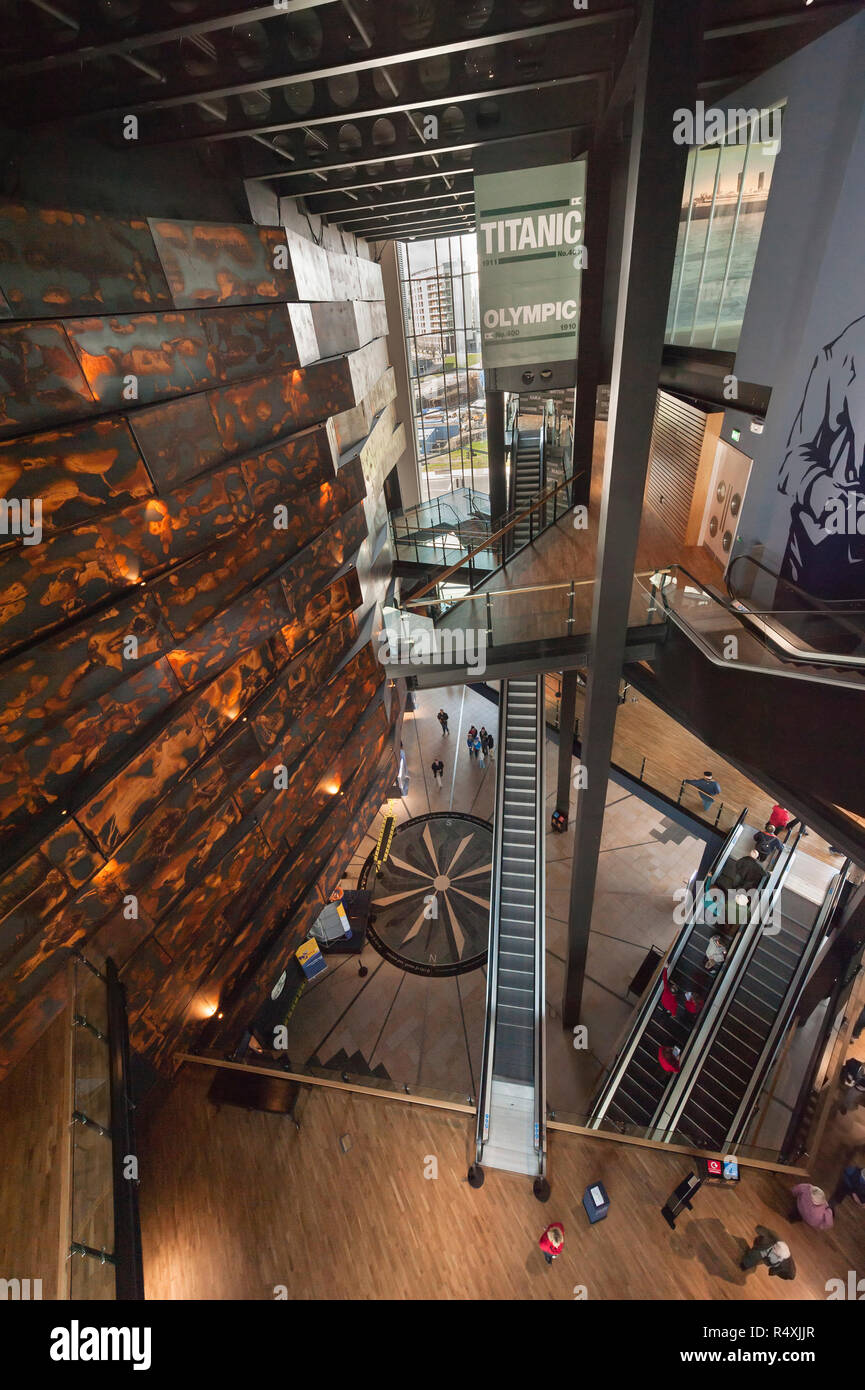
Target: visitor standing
pixel 442 718
pixel 706 786
pixel 552 1241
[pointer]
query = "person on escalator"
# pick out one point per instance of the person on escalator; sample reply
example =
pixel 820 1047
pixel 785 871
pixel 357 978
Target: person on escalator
pixel 765 841
pixel 552 1241
pixel 693 1003
pixel 669 1058
pixel 668 995
pixel 749 871
pixel 716 953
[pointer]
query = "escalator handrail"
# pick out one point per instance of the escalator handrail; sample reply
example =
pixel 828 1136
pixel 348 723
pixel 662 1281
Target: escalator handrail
pixel 486 1072
pixel 791 998
pixel 746 618
pixel 811 599
pixel 714 1014
pixel 646 1010
pixel 540 1120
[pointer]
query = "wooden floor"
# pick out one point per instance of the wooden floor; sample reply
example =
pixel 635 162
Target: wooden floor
pixel 235 1205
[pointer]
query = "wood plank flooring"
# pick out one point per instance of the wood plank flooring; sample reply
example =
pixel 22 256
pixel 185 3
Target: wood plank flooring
pixel 235 1204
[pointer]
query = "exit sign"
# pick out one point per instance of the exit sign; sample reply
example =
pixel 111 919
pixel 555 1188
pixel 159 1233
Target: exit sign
pixel 735 435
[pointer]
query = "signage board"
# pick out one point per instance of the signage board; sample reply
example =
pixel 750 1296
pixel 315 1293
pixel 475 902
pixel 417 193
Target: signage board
pixel 530 228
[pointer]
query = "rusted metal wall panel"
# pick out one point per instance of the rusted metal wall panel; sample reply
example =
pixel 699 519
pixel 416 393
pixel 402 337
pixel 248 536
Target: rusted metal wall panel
pixel 141 724
pixel 41 381
pixel 55 263
pixel 76 472
pixel 209 263
pixel 142 358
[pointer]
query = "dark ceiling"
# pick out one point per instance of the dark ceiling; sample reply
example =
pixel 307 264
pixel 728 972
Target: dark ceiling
pixel 331 100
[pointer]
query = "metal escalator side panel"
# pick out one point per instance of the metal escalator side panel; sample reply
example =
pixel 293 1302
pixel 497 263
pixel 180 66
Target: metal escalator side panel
pixel 540 1128
pixel 716 1010
pixel 483 1115
pixel 651 1000
pixel 798 979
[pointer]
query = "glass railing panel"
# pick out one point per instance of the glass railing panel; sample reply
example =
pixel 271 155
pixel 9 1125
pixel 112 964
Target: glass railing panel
pixel 621 1130
pixel 92 1189
pixel 92 1090
pixel 530 616
pixel 91 1280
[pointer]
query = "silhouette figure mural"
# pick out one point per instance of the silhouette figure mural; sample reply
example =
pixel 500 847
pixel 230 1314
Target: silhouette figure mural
pixel 823 473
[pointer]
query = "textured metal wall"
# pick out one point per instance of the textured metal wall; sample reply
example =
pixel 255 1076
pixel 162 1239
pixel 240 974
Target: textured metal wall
pixel 172 636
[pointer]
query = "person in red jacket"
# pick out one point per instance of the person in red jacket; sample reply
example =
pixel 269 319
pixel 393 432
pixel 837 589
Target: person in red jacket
pixel 779 818
pixel 669 1058
pixel 693 1002
pixel 668 995
pixel 552 1241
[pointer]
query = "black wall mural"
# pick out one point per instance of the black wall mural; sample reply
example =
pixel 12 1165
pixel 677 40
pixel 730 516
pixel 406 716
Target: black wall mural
pixel 823 473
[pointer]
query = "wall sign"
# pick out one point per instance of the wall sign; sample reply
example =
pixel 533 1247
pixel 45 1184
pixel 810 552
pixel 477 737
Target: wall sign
pixel 530 255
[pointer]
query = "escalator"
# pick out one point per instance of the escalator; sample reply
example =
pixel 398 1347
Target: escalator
pixel 797 722
pixel 511 1106
pixel 711 1103
pixel 633 1093
pixel 527 480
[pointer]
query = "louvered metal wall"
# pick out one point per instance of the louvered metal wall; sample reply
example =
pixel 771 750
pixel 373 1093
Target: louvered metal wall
pixel 677 438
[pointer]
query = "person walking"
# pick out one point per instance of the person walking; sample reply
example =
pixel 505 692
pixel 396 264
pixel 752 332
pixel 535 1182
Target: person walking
pixel 438 768
pixel 552 1241
pixel 490 744
pixel 812 1206
pixel 772 1252
pixel 481 753
pixel 470 741
pixel 483 738
pixel 442 718
pixel 850 1184
pixel 852 1084
pixel 476 749
pixel 706 786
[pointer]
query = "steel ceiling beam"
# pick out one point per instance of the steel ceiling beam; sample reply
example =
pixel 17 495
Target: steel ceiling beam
pixel 520 125
pixel 380 215
pixel 284 71
pixel 458 94
pixel 351 220
pixel 97 43
pixel 424 229
pixel 316 204
pixel 804 14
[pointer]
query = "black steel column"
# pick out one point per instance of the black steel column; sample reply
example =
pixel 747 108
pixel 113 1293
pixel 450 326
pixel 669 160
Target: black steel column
pixel 596 229
pixel 495 403
pixel 567 722
pixel 667 50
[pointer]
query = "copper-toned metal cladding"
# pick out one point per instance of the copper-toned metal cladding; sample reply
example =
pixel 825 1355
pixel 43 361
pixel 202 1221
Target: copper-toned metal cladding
pixel 45 683
pixel 42 586
pixel 55 263
pixel 289 467
pixel 296 683
pixel 255 413
pixel 138 359
pixel 77 472
pixel 218 704
pixel 210 263
pixel 41 381
pixel 249 342
pixel 177 440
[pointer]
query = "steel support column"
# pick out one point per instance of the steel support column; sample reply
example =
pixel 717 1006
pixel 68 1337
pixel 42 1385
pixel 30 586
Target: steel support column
pixel 567 724
pixel 667 46
pixel 495 403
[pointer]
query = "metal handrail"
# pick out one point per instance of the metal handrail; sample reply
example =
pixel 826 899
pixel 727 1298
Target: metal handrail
pixel 767 1057
pixel 795 670
pixel 823 605
pixel 647 1008
pixel 670 1111
pixel 482 1129
pixel 495 536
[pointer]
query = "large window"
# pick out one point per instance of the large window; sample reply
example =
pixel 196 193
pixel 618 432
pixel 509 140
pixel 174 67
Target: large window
pixel 726 191
pixel 439 287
